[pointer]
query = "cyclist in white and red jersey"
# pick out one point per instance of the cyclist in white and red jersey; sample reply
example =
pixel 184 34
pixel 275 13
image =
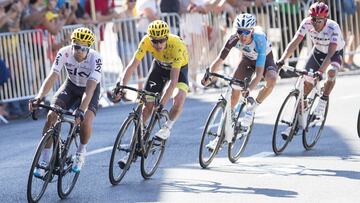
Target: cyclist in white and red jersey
pixel 83 66
pixel 328 49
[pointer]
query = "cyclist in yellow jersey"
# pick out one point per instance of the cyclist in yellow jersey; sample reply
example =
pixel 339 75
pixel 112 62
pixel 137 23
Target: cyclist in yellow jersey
pixel 170 64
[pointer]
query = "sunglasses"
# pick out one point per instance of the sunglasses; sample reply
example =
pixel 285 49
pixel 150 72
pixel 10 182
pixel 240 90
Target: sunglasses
pixel 317 20
pixel 81 48
pixel 158 41
pixel 243 32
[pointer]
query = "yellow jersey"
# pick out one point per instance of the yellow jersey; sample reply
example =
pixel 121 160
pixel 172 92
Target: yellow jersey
pixel 174 55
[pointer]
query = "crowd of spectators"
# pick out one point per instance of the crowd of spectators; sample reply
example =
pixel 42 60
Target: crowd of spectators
pixel 53 15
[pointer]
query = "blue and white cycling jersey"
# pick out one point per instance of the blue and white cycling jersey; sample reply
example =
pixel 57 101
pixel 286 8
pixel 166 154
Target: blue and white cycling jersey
pixel 257 50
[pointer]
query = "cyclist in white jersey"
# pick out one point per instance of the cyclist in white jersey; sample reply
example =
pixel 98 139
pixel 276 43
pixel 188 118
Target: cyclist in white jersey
pixel 257 58
pixel 328 49
pixel 83 66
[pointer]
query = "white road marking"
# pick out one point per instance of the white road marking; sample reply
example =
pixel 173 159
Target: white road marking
pixel 98 151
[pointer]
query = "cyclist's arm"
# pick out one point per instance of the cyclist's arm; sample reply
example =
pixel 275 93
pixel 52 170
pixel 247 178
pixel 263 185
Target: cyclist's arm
pixel 88 94
pixel 291 47
pixel 223 53
pixel 214 66
pixel 174 75
pixel 260 43
pixel 327 60
pixel 134 63
pixel 47 84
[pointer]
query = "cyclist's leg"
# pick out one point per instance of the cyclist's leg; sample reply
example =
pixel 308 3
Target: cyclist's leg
pixel 313 64
pixel 179 100
pixel 335 65
pixel 270 75
pixel 244 70
pixel 154 83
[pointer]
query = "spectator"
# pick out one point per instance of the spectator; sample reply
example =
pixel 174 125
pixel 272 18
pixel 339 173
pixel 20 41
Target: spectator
pixel 104 10
pixel 10 18
pixel 79 16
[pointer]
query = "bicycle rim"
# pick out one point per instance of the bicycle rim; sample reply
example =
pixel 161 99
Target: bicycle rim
pixel 240 139
pixel 67 178
pixel 36 186
pixel 358 124
pixel 124 146
pixel 211 131
pixel 154 147
pixel 314 128
pixel 283 121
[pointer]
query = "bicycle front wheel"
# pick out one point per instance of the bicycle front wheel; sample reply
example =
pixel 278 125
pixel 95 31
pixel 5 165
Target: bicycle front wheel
pixel 154 147
pixel 67 178
pixel 314 126
pixel 37 184
pixel 284 124
pixel 358 124
pixel 123 150
pixel 241 137
pixel 213 132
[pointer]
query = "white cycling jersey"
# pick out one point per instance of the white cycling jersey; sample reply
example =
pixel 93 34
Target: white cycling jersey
pixel 331 33
pixel 78 73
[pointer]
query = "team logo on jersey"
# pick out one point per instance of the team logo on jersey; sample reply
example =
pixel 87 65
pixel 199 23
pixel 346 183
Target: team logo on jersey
pixel 152 83
pixel 98 65
pixel 58 58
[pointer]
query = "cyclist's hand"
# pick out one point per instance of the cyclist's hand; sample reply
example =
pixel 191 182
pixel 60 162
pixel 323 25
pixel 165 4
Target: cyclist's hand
pixel 206 80
pixel 318 75
pixel 33 104
pixel 245 92
pixel 116 95
pixel 79 116
pixel 279 63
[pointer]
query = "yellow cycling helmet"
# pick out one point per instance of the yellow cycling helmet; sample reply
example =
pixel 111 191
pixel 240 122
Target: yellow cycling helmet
pixel 158 29
pixel 83 34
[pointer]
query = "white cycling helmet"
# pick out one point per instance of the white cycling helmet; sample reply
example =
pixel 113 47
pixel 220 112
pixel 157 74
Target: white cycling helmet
pixel 245 21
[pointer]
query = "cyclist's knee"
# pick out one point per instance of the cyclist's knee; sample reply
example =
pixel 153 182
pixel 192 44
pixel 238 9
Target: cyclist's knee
pixel 332 73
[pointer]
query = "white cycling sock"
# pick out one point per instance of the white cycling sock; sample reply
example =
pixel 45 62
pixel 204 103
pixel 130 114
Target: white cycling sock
pixel 169 123
pixel 81 148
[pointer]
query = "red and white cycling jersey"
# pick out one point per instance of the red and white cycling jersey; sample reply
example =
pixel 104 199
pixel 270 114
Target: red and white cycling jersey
pixel 78 73
pixel 331 33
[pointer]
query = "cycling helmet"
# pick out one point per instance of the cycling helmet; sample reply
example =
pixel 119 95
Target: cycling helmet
pixel 245 21
pixel 158 29
pixel 83 34
pixel 319 9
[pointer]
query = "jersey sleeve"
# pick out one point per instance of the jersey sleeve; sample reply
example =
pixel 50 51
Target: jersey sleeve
pixel 228 46
pixel 141 50
pixel 180 56
pixel 59 61
pixel 260 46
pixel 97 64
pixel 302 29
pixel 336 34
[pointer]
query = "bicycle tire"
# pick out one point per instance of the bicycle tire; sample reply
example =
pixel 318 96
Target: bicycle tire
pixel 65 167
pixel 234 152
pixel 153 145
pixel 48 136
pixel 115 179
pixel 311 138
pixel 283 142
pixel 218 109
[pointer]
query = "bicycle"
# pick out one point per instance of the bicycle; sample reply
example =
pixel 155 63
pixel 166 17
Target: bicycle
pixel 223 126
pixel 62 153
pixel 135 139
pixel 298 113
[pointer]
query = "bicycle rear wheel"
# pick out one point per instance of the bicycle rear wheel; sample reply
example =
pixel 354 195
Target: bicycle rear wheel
pixel 213 130
pixel 36 186
pixel 67 178
pixel 285 120
pixel 314 126
pixel 240 139
pixel 154 147
pixel 123 150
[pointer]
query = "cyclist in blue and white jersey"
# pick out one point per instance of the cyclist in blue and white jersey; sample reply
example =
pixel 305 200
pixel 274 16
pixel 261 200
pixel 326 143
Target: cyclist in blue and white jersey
pixel 256 58
pixel 83 66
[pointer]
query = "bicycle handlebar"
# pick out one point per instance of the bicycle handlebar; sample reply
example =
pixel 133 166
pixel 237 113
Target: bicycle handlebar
pixel 242 83
pixel 57 110
pixel 140 91
pixel 301 72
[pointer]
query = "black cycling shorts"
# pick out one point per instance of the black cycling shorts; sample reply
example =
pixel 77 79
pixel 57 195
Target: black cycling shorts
pixel 317 57
pixel 160 75
pixel 69 96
